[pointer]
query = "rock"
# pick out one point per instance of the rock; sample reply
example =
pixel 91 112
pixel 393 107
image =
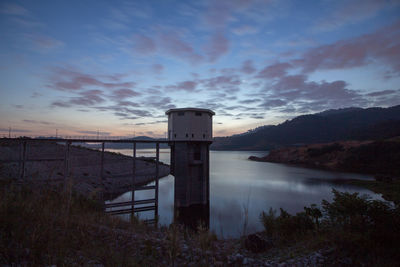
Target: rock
pixel 256 244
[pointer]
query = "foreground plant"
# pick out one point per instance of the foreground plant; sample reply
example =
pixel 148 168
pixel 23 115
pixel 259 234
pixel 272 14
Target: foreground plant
pixel 358 227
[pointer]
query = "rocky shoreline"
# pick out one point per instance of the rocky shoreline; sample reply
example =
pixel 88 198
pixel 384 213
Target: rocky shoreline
pixel 84 173
pixel 380 157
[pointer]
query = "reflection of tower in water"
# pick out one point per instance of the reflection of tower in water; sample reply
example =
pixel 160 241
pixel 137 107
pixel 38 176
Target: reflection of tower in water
pixel 190 133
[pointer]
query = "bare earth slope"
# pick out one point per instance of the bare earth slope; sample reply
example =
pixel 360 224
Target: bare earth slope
pixel 84 167
pixel 373 157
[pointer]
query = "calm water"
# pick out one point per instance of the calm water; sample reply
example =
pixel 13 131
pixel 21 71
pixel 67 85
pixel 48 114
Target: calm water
pixel 237 184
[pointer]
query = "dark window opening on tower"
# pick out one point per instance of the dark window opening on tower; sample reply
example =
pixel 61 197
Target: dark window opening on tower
pixel 187 135
pixel 175 135
pixel 198 113
pixel 204 136
pixel 181 113
pixel 192 135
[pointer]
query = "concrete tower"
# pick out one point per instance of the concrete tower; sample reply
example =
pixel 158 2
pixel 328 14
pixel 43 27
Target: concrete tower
pixel 190 133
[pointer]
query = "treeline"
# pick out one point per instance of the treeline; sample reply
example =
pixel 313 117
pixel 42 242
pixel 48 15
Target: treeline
pixel 329 126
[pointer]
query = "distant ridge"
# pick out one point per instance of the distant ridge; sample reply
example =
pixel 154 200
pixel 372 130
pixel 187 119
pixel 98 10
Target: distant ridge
pixel 327 126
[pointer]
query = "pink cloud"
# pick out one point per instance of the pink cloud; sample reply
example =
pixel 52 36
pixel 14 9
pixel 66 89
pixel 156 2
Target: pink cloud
pixel 157 68
pixel 187 85
pixel 380 46
pixel 218 46
pixel 71 80
pixel 351 12
pixel 226 82
pixel 247 67
pixel 42 42
pixel 297 90
pixel 85 98
pixel 219 13
pixel 274 71
pixel 144 44
pixel 173 45
pixel 88 98
pixel 124 93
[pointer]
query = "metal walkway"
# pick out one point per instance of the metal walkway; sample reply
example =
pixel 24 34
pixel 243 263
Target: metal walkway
pixel 133 206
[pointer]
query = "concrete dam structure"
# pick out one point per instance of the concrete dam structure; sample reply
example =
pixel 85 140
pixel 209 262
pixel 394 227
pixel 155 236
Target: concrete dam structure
pixel 190 136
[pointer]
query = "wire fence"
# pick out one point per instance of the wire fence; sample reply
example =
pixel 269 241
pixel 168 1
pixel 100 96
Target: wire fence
pixel 83 137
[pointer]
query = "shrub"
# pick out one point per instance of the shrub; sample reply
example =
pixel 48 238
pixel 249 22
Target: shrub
pixel 316 152
pixel 364 229
pixel 286 226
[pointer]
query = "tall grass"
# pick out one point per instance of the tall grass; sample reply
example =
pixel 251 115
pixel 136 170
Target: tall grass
pixel 57 227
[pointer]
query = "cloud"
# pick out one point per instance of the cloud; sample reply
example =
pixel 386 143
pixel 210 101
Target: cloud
pixel 250 101
pixel 275 70
pixel 160 103
pixel 13 9
pixel 272 103
pixel 221 82
pixel 173 45
pixel 88 98
pixel 218 46
pixel 187 86
pixel 382 46
pixel 157 69
pixel 307 96
pixel 124 93
pixel 38 122
pixel 125 112
pixel 13 130
pixel 71 80
pixel 94 133
pixel 247 67
pixel 43 42
pixel 60 104
pixel 85 98
pixel 151 123
pixel 384 98
pixel 144 44
pixel 36 94
pixel 128 104
pixel 220 13
pixel 351 12
pixel 244 30
pixel 381 93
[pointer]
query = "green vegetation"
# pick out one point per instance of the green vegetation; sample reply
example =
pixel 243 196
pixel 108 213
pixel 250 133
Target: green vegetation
pixel 317 152
pixel 390 190
pixel 50 227
pixel 44 227
pixel 379 157
pixel 365 230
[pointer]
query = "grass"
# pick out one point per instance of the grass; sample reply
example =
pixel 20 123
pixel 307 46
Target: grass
pixel 56 227
pixel 50 227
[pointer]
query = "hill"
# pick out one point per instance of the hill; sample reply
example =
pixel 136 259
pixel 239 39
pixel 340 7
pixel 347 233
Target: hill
pixel 380 157
pixel 323 127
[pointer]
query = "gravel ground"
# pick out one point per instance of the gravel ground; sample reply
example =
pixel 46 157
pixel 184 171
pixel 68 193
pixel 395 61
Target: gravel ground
pixel 84 167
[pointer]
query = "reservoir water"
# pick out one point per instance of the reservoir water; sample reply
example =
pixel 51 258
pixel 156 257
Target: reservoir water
pixel 239 186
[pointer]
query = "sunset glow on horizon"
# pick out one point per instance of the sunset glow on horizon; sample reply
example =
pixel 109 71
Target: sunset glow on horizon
pixel 114 67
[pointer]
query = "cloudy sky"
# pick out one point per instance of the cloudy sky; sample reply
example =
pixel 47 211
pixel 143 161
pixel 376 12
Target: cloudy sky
pixel 117 66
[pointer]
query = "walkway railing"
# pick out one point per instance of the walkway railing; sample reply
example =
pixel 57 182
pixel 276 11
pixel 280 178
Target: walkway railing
pixel 124 207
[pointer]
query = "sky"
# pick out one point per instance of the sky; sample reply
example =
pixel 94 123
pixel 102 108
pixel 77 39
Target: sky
pixel 114 67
